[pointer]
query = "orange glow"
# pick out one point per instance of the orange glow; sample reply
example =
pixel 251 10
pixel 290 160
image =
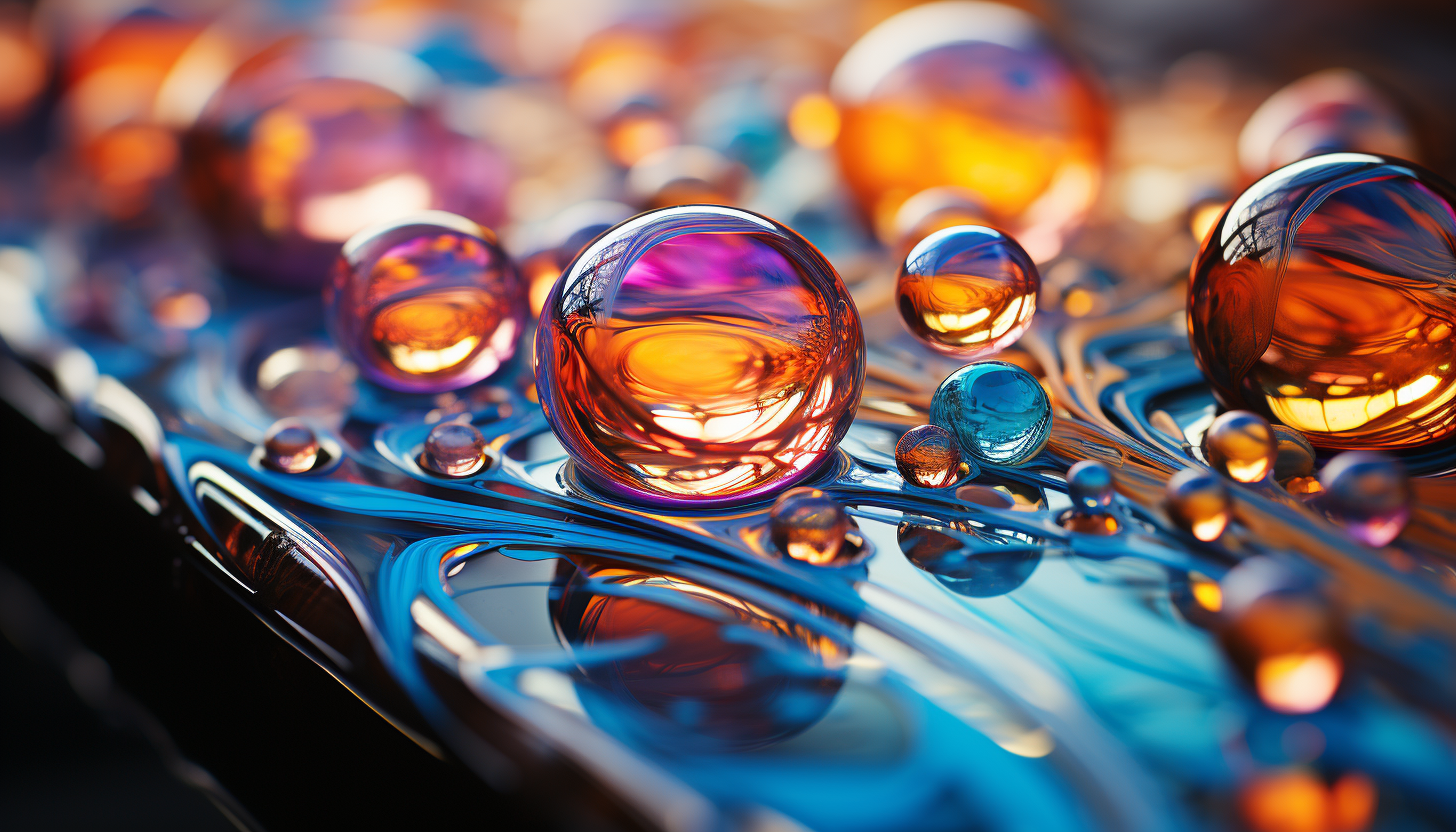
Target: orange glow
pixel 1297 801
pixel 1078 302
pixel 1099 524
pixel 183 310
pixel 435 332
pixel 635 135
pixel 1204 215
pixel 1206 591
pixel 814 121
pixel 1304 486
pixel 1298 683
pixel 22 65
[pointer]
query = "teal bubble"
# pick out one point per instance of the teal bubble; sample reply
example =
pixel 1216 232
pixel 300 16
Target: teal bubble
pixel 997 411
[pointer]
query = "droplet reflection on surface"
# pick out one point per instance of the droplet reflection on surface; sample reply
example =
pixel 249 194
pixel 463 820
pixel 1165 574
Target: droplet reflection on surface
pixel 1240 445
pixel 1198 501
pixel 699 354
pixel 928 456
pixel 428 304
pixel 290 446
pixel 1368 493
pixel 1003 563
pixel 1325 297
pixel 997 411
pixel 454 449
pixel 808 525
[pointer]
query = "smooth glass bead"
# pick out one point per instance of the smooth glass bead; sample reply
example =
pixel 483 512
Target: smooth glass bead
pixel 291 446
pixel 967 290
pixel 997 411
pixel 1325 297
pixel 1368 493
pixel 928 456
pixel 808 525
pixel 1240 445
pixel 1198 501
pixel 427 304
pixel 699 354
pixel 1090 485
pixel 454 449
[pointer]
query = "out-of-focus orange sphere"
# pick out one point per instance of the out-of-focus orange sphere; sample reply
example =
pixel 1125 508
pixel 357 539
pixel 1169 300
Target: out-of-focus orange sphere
pixel 1295 800
pixel 306 145
pixel 23 64
pixel 974 96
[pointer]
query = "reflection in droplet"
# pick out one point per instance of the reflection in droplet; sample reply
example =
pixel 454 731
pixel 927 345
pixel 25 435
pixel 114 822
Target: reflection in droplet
pixel 1368 493
pixel 999 412
pixel 1240 445
pixel 967 291
pixel 810 526
pixel 1087 522
pixel 1003 562
pixel 454 449
pixel 1198 501
pixel 722 673
pixel 290 446
pixel 428 304
pixel 699 354
pixel 928 456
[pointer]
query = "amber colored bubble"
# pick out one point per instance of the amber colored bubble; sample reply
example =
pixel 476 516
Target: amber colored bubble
pixel 427 304
pixel 1282 637
pixel 974 96
pixel 1241 446
pixel 699 353
pixel 928 456
pixel 290 446
pixel 968 291
pixel 810 526
pixel 1324 299
pixel 1198 502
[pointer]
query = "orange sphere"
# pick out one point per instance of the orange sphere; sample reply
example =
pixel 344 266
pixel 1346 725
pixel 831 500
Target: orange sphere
pixel 1323 298
pixel 973 96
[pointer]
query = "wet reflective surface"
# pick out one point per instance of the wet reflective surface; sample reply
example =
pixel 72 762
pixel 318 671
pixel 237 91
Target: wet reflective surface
pixel 1322 298
pixel 699 353
pixel 968 291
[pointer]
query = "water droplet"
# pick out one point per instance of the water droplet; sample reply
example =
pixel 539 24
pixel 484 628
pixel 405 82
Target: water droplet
pixel 997 411
pixel 290 446
pixel 1368 493
pixel 808 525
pixel 1240 445
pixel 454 449
pixel 699 354
pixel 1089 484
pixel 1198 502
pixel 929 457
pixel 426 304
pixel 967 291
pixel 1281 636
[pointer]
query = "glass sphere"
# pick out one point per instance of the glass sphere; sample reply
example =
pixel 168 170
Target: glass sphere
pixel 808 525
pixel 1368 493
pixel 699 354
pixel 454 449
pixel 928 456
pixel 997 411
pixel 967 291
pixel 974 96
pixel 1198 501
pixel 1281 636
pixel 293 157
pixel 291 446
pixel 1332 110
pixel 1240 445
pixel 1294 456
pixel 426 304
pixel 1089 484
pixel 1325 296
